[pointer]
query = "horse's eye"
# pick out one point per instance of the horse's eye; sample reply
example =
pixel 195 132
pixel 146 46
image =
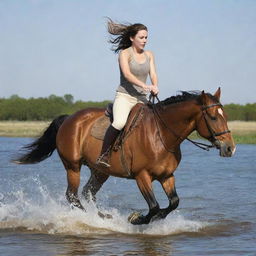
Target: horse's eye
pixel 213 118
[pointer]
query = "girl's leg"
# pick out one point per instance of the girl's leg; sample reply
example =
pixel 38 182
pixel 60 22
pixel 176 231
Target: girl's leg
pixel 121 109
pixel 122 106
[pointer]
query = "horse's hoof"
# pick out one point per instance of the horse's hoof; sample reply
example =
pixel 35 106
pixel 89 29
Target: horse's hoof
pixel 159 216
pixel 108 216
pixel 136 218
pixel 105 216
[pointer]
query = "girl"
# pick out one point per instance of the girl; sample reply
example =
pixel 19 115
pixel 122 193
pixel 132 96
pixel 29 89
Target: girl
pixel 135 65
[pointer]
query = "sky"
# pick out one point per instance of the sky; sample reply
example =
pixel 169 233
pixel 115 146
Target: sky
pixel 61 47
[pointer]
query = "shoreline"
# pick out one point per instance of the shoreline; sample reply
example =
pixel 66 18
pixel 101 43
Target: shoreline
pixel 242 131
pixel 22 128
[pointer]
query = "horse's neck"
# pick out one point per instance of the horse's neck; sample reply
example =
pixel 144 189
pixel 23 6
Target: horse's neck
pixel 183 115
pixel 180 120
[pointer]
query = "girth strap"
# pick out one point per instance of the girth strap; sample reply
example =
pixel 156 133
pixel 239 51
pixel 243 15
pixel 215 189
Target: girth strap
pixel 124 162
pixel 119 145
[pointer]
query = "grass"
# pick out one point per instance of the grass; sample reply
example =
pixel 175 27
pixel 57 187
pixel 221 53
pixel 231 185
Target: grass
pixel 22 128
pixel 243 132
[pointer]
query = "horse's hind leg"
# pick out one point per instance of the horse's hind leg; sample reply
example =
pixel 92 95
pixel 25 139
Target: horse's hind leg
pixel 94 184
pixel 73 177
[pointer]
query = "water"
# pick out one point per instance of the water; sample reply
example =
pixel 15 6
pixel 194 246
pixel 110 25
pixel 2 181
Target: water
pixel 216 215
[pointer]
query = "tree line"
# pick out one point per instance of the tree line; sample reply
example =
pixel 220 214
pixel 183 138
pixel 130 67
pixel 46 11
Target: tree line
pixel 17 108
pixel 39 109
pixel 241 112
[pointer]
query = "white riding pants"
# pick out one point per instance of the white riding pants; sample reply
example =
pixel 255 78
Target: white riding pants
pixel 123 104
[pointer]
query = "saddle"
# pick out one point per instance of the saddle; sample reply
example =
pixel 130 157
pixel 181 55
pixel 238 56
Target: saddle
pixel 102 123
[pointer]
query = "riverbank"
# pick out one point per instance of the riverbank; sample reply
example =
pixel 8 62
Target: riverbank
pixel 22 128
pixel 243 132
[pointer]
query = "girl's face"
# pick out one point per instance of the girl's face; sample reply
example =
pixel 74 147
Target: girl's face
pixel 140 39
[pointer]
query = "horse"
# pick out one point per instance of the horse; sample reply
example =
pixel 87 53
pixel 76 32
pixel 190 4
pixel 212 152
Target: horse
pixel 151 151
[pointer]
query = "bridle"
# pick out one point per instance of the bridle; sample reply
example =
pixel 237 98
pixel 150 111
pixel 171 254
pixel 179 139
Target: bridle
pixel 203 146
pixel 211 131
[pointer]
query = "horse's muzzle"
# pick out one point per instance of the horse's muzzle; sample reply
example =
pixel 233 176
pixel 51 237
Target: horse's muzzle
pixel 227 149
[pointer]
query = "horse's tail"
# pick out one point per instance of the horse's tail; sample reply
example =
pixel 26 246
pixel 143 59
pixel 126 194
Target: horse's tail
pixel 44 146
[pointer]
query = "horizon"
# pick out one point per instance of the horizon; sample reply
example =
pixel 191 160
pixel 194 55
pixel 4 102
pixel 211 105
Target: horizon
pixel 96 101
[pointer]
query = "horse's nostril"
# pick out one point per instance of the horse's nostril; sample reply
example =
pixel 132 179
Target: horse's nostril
pixel 229 149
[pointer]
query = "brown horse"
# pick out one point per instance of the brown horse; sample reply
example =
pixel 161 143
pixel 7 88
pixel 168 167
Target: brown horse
pixel 152 150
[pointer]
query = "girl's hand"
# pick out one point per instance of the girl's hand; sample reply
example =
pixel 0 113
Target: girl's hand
pixel 147 88
pixel 154 89
pixel 151 88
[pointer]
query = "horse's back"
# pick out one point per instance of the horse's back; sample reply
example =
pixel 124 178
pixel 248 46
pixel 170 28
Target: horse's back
pixel 79 121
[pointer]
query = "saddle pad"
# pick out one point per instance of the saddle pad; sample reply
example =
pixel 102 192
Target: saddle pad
pixel 99 127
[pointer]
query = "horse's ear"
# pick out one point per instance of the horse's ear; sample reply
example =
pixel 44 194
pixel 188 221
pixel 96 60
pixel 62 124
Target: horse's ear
pixel 217 94
pixel 203 98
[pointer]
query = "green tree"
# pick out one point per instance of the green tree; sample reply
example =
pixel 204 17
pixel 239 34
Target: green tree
pixel 69 98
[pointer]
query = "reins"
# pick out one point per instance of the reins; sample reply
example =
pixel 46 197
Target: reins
pixel 198 144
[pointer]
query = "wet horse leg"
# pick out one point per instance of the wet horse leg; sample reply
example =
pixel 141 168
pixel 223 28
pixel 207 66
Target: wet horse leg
pixel 94 184
pixel 168 185
pixel 144 182
pixel 73 177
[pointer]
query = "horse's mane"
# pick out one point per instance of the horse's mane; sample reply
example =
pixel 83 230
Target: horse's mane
pixel 186 96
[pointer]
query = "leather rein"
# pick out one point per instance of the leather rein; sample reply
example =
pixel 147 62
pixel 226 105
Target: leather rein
pixel 203 146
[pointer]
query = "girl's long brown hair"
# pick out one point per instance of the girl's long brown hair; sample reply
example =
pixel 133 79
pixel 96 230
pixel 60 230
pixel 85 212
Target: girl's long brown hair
pixel 121 34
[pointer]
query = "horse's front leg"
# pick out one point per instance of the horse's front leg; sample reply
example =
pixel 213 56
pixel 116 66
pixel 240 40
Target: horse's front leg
pixel 144 182
pixel 168 185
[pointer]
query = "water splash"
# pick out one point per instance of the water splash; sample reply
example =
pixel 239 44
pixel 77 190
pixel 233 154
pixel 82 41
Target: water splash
pixel 43 213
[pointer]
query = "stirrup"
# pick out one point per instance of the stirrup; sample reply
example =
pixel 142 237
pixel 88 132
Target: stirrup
pixel 102 161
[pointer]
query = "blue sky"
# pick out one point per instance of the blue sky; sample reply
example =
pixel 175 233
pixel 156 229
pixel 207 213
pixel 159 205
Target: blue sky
pixel 60 47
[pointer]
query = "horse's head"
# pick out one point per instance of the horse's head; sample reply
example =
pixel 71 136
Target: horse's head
pixel 211 124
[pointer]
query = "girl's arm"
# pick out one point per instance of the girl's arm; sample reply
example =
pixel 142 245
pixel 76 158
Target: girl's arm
pixel 152 73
